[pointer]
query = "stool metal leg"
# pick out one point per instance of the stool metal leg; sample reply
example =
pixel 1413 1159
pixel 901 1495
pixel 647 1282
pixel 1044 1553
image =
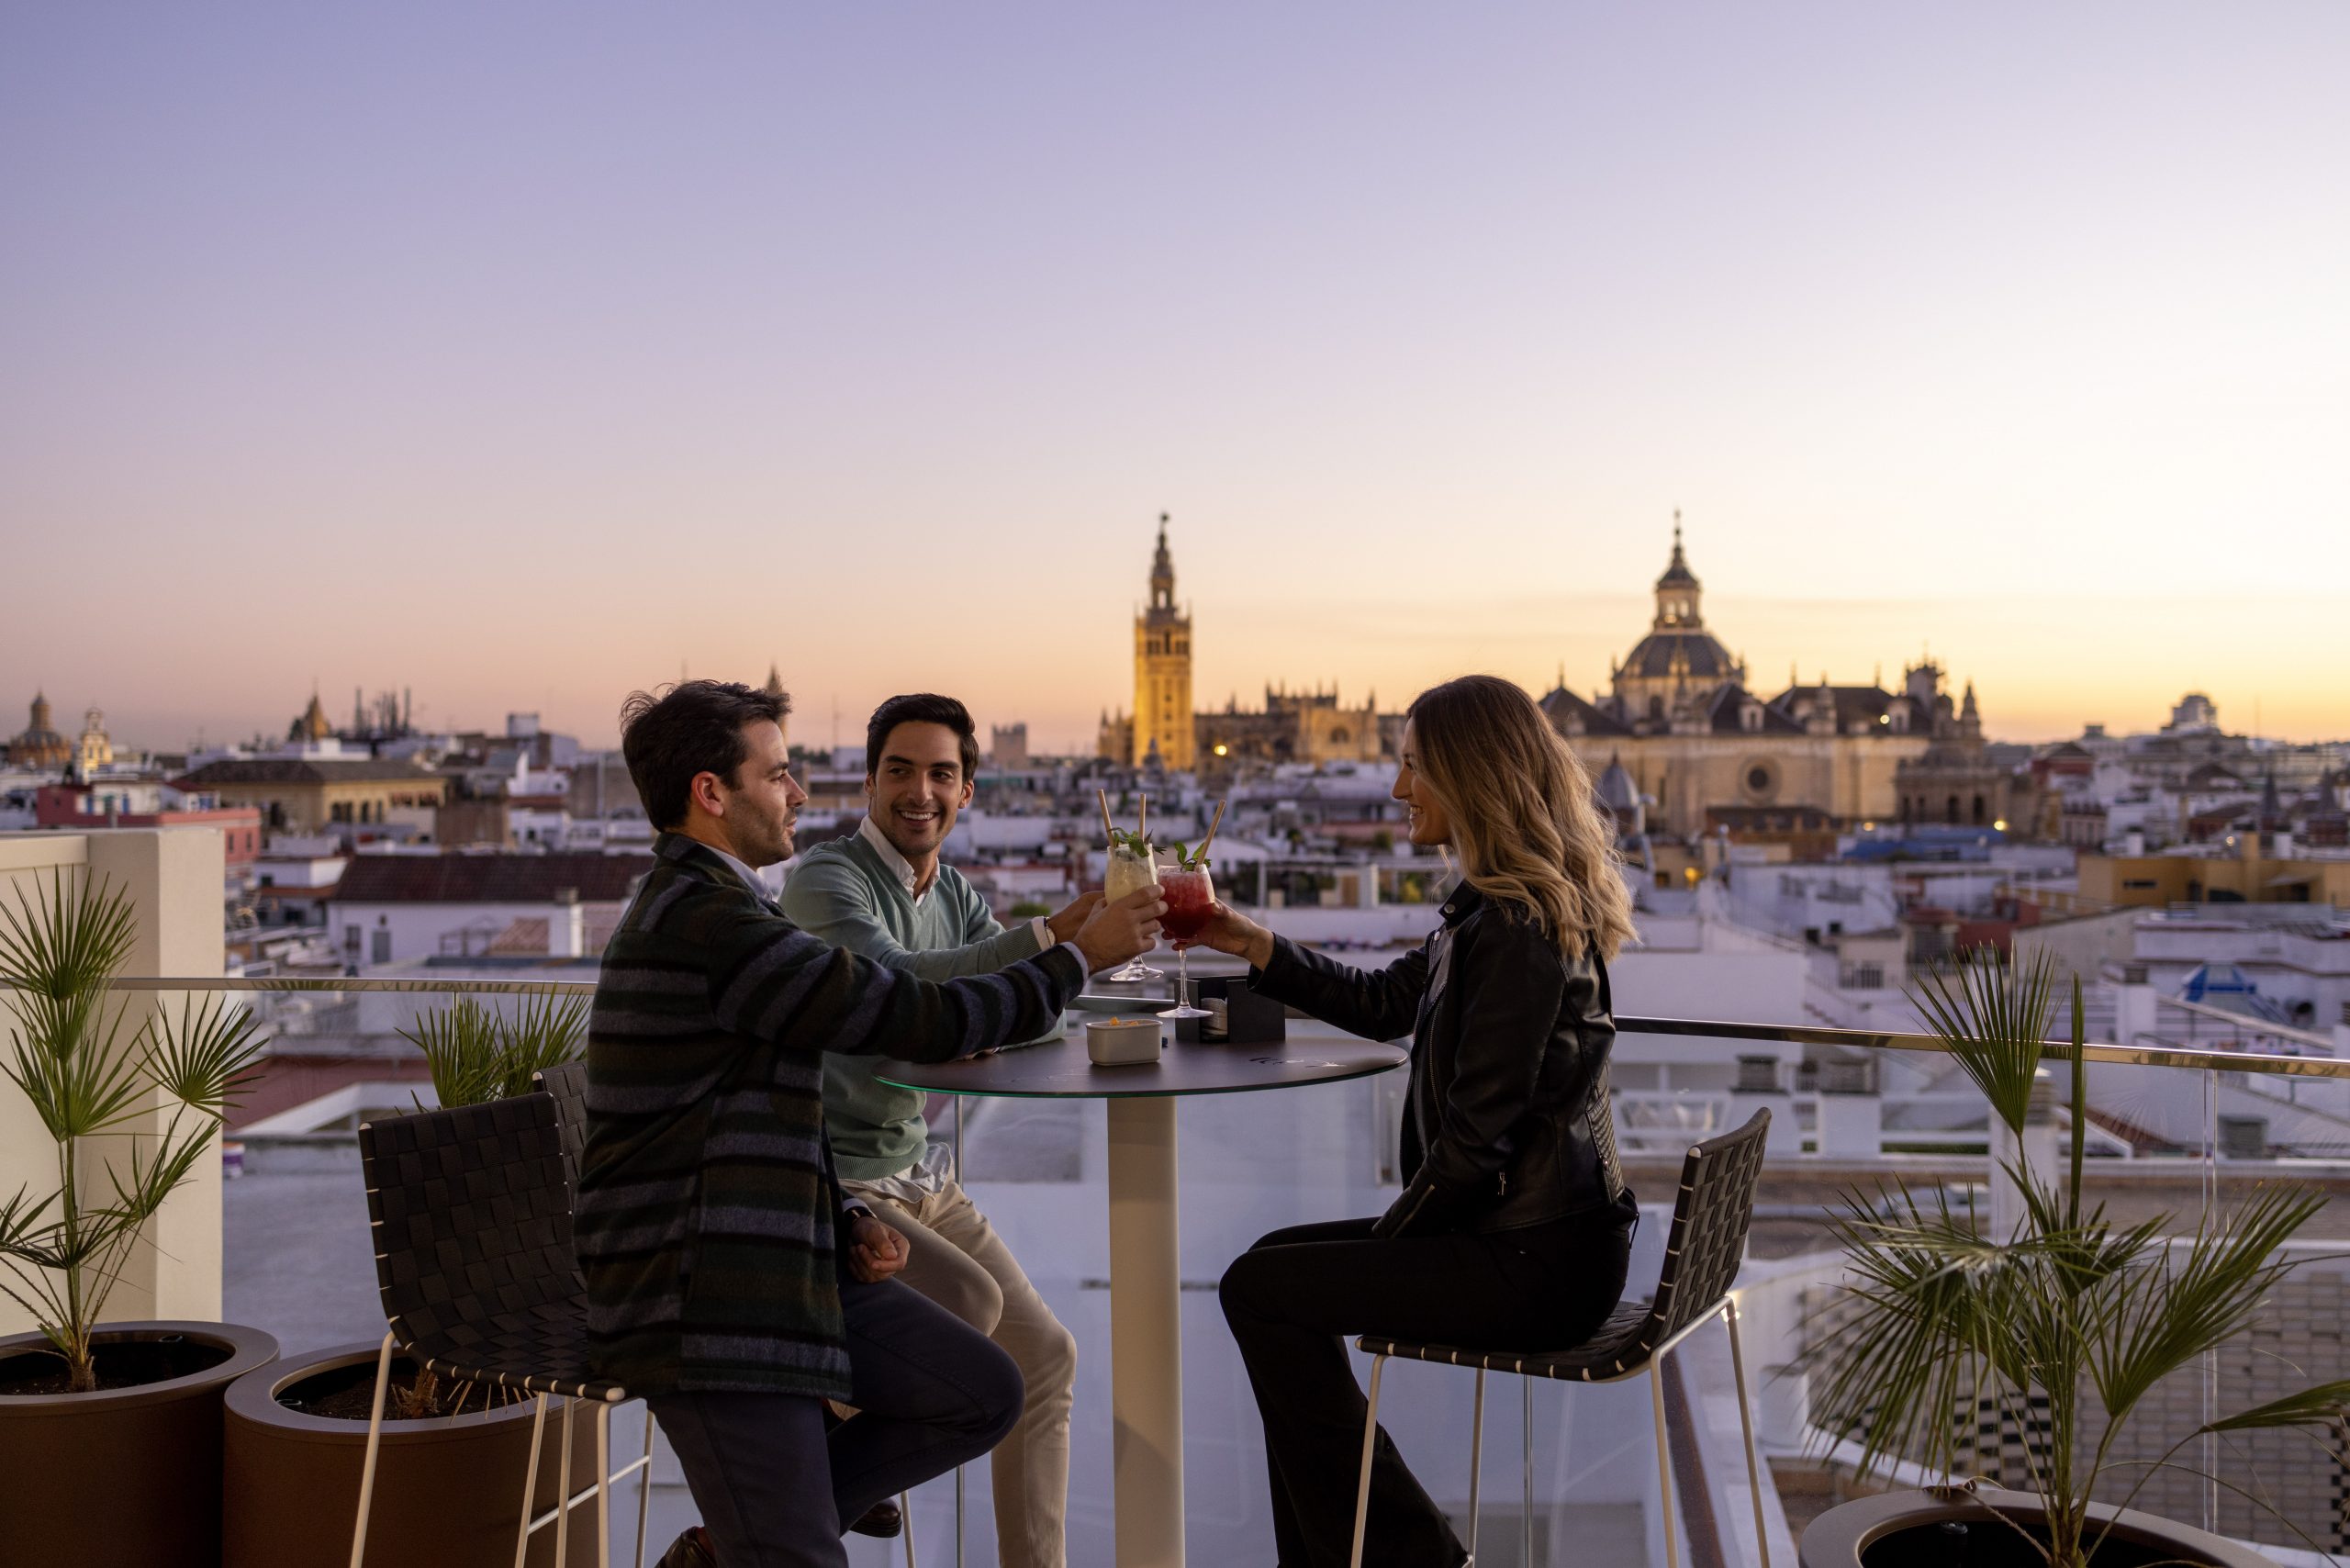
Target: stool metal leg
pixel 1746 1419
pixel 906 1523
pixel 1362 1482
pixel 374 1445
pixel 1476 1465
pixel 563 1489
pixel 1526 1520
pixel 643 1489
pixel 531 1480
pixel 958 1469
pixel 1663 1461
pixel 603 1486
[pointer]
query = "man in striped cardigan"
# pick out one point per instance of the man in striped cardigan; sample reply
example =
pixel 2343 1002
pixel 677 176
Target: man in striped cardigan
pixel 727 1279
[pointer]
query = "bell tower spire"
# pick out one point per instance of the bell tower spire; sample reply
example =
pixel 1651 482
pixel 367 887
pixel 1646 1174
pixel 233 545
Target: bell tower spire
pixel 1162 571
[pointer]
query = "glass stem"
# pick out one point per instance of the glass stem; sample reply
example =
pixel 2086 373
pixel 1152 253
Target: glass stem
pixel 1182 977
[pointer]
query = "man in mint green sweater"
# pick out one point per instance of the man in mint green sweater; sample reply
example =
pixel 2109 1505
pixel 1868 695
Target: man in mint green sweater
pixel 881 893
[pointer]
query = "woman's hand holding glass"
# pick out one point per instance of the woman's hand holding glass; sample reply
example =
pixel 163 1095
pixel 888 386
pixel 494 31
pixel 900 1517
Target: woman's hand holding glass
pixel 1226 930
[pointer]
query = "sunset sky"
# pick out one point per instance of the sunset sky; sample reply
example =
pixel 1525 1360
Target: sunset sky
pixel 521 354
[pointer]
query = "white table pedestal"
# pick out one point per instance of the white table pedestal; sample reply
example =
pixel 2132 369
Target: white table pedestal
pixel 1146 1334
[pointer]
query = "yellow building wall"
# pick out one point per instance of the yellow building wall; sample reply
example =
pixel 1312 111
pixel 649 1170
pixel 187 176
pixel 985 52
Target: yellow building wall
pixel 2154 880
pixel 1163 691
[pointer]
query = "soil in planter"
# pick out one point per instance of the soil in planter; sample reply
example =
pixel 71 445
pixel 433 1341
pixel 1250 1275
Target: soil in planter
pixel 132 1364
pixel 1986 1543
pixel 348 1394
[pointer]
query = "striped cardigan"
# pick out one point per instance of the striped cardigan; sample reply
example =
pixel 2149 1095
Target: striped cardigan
pixel 706 1205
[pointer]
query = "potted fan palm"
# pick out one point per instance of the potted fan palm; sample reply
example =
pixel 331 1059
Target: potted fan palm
pixel 447 1482
pixel 2068 1324
pixel 109 1431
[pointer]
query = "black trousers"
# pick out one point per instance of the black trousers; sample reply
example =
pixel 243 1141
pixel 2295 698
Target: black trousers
pixel 1292 1297
pixel 931 1393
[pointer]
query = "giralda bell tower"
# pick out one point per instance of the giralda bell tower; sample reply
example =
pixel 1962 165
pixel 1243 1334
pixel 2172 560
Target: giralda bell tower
pixel 1163 668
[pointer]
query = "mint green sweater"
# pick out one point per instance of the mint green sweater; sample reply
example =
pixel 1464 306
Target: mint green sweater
pixel 843 892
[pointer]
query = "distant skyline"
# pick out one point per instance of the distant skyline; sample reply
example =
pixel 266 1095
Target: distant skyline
pixel 521 356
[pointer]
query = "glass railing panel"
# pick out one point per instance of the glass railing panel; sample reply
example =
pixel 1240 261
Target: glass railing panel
pixel 2191 1118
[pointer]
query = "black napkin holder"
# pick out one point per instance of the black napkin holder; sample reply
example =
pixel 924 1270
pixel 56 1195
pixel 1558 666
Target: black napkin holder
pixel 1251 1018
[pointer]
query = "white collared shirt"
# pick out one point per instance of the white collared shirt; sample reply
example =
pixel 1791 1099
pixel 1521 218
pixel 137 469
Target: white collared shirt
pixel 743 871
pixel 916 889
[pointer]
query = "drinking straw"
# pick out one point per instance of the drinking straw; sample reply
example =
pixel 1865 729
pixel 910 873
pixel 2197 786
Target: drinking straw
pixel 1107 828
pixel 1214 823
pixel 1142 819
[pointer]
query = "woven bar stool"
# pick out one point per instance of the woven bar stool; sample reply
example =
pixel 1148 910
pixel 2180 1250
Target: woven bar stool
pixel 1701 1259
pixel 471 1213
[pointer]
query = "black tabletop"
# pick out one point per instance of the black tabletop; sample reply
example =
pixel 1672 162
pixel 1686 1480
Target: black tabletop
pixel 1060 1071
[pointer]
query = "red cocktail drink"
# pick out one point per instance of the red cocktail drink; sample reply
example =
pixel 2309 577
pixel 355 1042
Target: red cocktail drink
pixel 1189 900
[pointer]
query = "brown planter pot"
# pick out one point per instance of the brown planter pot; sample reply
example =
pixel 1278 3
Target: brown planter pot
pixel 126 1477
pixel 448 1490
pixel 1896 1530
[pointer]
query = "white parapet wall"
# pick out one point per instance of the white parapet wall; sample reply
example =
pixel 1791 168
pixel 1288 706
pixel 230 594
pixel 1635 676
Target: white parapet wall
pixel 174 877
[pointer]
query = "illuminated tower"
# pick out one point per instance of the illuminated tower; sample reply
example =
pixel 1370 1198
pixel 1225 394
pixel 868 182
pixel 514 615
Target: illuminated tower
pixel 1163 669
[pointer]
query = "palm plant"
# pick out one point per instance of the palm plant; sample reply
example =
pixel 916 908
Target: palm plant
pixel 2073 1308
pixel 477 1054
pixel 91 1075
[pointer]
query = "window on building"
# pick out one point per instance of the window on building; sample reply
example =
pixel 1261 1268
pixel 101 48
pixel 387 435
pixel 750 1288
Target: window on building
pixel 2139 884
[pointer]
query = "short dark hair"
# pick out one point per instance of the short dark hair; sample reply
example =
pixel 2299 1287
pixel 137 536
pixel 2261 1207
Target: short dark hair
pixel 921 707
pixel 693 727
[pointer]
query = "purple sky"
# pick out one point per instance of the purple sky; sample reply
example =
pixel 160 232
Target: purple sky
pixel 526 355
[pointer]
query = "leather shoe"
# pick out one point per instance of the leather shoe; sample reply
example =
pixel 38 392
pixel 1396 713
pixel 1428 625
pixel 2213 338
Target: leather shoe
pixel 882 1520
pixel 691 1549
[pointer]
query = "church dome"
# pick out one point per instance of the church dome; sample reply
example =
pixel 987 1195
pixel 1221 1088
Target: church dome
pixel 1617 791
pixel 39 744
pixel 1653 657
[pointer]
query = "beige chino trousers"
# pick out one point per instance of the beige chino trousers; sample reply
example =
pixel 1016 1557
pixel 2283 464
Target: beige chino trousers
pixel 956 1258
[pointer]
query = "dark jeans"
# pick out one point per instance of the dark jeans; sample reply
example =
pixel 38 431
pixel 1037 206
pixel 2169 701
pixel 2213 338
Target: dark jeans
pixel 1291 1296
pixel 931 1393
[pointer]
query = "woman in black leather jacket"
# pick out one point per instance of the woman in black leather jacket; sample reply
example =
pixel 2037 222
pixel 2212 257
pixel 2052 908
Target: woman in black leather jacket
pixel 1514 1225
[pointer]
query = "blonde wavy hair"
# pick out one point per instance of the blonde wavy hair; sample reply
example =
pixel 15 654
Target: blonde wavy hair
pixel 1526 823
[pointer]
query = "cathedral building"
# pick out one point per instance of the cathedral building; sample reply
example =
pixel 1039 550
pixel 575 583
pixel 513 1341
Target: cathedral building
pixel 1680 718
pixel 1164 730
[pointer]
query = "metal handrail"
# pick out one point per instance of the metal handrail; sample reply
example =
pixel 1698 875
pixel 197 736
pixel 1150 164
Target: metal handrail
pixel 293 983
pixel 1687 1028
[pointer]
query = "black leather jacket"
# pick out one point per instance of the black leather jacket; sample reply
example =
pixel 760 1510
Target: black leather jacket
pixel 1508 1123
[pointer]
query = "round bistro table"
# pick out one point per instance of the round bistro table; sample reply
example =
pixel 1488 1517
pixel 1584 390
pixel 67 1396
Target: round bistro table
pixel 1146 1339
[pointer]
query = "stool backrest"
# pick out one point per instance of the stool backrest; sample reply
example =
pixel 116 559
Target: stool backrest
pixel 567 1083
pixel 471 1217
pixel 1707 1242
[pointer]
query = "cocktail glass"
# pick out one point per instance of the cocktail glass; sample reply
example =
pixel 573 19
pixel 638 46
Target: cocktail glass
pixel 1190 899
pixel 1129 872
